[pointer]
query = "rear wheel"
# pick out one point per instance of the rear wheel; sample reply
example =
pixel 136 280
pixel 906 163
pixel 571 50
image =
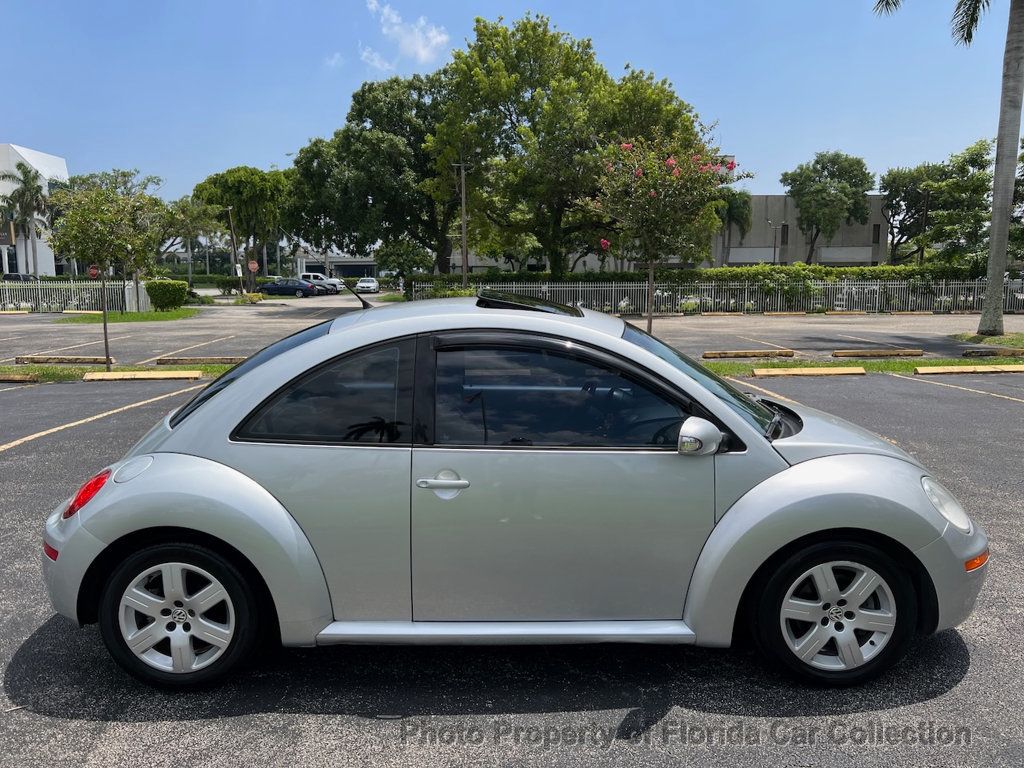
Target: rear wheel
pixel 837 613
pixel 299 294
pixel 178 615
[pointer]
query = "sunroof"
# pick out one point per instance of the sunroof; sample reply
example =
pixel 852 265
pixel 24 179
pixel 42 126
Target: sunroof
pixel 491 299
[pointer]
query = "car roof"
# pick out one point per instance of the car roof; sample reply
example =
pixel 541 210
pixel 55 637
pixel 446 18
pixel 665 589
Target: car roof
pixel 465 312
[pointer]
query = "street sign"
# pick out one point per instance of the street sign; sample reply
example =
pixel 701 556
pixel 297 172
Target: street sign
pixel 254 266
pixel 94 271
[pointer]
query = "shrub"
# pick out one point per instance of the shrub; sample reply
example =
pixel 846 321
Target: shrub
pixel 167 294
pixel 249 298
pixel 227 284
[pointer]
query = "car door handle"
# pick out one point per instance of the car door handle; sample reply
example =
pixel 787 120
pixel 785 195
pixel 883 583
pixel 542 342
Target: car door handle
pixel 438 484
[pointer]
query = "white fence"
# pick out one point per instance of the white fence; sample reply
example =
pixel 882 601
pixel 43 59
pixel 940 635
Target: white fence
pixel 752 297
pixel 53 296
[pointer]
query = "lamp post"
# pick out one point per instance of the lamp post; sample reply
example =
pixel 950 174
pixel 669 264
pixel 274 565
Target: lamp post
pixel 775 237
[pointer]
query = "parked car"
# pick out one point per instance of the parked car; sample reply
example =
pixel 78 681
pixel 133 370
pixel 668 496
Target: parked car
pixel 329 284
pixel 529 473
pixel 367 285
pixel 15 277
pixel 289 287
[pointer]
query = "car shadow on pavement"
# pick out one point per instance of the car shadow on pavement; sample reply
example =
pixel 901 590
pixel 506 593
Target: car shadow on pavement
pixel 64 672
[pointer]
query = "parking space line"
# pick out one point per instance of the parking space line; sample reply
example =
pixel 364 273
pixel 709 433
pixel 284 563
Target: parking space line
pixel 69 425
pixel 184 349
pixel 11 338
pixel 73 346
pixel 870 341
pixel 957 386
pixel 766 343
pixel 19 386
pixel 763 390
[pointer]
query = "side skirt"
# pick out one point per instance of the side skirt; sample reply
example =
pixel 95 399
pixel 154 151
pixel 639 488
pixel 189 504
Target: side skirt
pixel 504 632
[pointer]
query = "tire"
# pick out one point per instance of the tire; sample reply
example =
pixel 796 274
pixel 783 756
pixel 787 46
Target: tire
pixel 850 609
pixel 180 643
pixel 299 294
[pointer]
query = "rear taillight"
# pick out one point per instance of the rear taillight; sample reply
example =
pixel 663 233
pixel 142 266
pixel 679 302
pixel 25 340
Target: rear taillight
pixel 89 489
pixel 50 552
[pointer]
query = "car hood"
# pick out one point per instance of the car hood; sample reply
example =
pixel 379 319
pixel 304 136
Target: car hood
pixel 823 434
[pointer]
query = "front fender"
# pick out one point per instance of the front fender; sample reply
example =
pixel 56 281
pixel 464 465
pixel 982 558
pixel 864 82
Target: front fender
pixel 868 492
pixel 191 492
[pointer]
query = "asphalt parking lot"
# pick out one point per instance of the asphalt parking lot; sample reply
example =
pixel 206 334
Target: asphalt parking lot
pixel 64 702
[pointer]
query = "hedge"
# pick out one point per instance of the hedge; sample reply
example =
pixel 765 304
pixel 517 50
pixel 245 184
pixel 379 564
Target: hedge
pixel 167 294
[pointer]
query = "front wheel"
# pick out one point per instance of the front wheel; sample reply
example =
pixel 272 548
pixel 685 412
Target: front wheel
pixel 178 615
pixel 836 613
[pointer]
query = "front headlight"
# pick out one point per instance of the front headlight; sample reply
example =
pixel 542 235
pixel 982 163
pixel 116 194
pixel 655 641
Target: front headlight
pixel 946 504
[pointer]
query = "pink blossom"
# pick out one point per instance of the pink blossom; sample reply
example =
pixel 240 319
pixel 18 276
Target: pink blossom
pixel 675 171
pixel 705 168
pixel 625 146
pixel 609 167
pixel 670 163
pixel 717 167
pixel 696 158
pixel 731 165
pixel 605 244
pixel 638 172
pixel 653 193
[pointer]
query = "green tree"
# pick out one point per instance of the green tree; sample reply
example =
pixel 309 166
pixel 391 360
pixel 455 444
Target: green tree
pixel 966 16
pixel 185 220
pixel 960 204
pixel 376 179
pixel 831 189
pixel 905 203
pixel 405 258
pixel 538 106
pixel 733 211
pixel 100 226
pixel 661 197
pixel 26 204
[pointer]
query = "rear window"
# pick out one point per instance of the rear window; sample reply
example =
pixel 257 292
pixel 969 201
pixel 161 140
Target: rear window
pixel 244 367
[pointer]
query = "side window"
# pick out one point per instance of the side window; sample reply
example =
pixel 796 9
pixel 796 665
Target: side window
pixel 363 397
pixel 534 397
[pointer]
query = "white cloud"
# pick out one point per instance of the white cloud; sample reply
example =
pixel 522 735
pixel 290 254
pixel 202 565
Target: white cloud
pixel 374 59
pixel 419 40
pixel 334 61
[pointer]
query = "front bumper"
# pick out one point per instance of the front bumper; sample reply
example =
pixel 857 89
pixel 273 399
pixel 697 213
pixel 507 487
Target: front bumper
pixel 76 551
pixel 956 589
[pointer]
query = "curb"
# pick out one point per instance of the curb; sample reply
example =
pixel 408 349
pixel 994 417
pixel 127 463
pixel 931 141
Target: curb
pixel 735 353
pixel 141 375
pixel 19 378
pixel 851 371
pixel 1005 352
pixel 52 359
pixel 14 311
pixel 933 370
pixel 887 352
pixel 200 360
pixel 82 312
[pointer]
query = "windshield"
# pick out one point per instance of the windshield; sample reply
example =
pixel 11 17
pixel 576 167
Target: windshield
pixel 265 354
pixel 753 412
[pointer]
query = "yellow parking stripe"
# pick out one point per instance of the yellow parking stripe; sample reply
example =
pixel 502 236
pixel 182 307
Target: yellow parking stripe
pixel 957 386
pixel 69 425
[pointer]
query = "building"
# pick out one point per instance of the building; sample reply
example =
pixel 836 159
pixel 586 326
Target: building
pixel 774 237
pixel 16 259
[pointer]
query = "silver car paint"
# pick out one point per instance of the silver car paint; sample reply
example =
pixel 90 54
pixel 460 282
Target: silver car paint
pixel 776 504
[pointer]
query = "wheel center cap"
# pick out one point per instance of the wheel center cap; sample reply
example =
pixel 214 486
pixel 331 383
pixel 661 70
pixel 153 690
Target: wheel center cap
pixel 835 613
pixel 179 615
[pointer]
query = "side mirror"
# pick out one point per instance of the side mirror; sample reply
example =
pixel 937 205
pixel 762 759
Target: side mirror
pixel 698 437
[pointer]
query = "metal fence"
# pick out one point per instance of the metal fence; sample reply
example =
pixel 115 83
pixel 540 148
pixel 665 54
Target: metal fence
pixel 53 296
pixel 754 297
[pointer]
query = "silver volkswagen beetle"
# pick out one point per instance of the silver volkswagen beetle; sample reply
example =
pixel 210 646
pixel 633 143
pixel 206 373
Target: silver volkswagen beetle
pixel 501 469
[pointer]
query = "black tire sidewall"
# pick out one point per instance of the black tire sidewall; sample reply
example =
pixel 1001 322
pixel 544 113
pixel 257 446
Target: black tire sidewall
pixel 242 598
pixel 768 632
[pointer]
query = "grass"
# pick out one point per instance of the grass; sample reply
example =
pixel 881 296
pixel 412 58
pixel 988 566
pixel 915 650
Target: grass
pixel 133 317
pixel 889 365
pixel 391 297
pixel 75 372
pixel 1009 340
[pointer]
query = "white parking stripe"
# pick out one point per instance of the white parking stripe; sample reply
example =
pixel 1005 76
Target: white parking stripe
pixel 73 346
pixel 184 349
pixel 19 386
pixel 69 425
pixel 758 341
pixel 776 395
pixel 870 341
pixel 956 386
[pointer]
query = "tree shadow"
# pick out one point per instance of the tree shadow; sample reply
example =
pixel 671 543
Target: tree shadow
pixel 64 672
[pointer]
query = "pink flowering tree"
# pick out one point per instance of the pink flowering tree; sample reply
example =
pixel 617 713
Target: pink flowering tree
pixel 660 200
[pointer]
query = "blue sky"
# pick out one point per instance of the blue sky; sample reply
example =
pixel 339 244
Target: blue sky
pixel 182 89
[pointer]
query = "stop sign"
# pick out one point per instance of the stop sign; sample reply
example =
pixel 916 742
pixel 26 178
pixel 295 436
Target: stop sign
pixel 254 266
pixel 94 271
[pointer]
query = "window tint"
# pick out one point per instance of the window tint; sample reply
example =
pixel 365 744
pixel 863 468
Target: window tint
pixel 524 397
pixel 364 397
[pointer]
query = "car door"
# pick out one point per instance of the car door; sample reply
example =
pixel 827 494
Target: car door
pixel 333 446
pixel 547 485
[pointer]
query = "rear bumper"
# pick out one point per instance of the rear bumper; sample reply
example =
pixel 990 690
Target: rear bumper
pixel 956 589
pixel 76 550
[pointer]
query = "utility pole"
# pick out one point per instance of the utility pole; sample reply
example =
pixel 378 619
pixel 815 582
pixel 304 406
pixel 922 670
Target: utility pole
pixel 234 250
pixel 775 238
pixel 465 249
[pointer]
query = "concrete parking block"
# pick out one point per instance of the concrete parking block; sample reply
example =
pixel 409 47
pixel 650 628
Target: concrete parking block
pixel 1005 352
pixel 199 360
pixel 70 359
pixel 13 378
pixel 846 371
pixel 141 375
pixel 933 370
pixel 878 352
pixel 737 353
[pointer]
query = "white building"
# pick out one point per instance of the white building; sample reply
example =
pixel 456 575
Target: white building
pixel 50 167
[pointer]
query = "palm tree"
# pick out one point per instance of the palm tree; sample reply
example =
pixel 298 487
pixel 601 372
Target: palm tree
pixel 734 211
pixel 27 201
pixel 966 14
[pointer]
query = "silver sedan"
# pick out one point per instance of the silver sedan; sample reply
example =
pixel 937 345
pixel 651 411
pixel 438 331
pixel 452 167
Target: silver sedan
pixel 505 470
